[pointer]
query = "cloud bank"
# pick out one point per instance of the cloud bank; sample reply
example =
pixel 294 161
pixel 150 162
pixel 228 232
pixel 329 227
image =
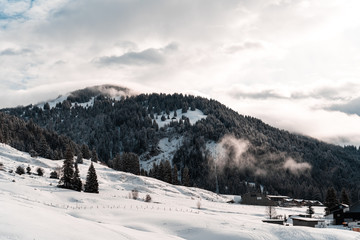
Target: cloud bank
pixel 294 64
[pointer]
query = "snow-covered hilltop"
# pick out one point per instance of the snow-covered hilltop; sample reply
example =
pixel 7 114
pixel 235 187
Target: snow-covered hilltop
pixel 32 207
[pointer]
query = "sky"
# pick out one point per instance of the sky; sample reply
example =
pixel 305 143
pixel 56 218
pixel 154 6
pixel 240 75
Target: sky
pixel 293 64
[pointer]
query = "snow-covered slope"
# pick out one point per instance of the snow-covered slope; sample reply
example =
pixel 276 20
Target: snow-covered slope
pixel 32 207
pixel 193 116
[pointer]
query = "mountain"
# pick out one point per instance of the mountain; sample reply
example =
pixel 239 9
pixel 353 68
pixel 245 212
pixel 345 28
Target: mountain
pixel 32 207
pixel 219 146
pixel 29 137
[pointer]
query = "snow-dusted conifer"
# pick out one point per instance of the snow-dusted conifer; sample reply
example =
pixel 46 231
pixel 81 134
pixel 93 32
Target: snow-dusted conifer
pixel 94 156
pixel 77 184
pixel 185 177
pixel 67 175
pixel 91 185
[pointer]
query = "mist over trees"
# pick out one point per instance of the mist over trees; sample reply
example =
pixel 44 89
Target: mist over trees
pixel 127 126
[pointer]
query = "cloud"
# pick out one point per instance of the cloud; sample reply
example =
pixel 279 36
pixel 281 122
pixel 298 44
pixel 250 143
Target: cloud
pixel 13 52
pixel 351 107
pixel 232 149
pixel 264 94
pixel 296 168
pixel 280 53
pixel 244 46
pixel 148 56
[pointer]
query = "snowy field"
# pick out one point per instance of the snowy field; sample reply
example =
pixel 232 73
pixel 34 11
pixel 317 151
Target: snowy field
pixel 32 207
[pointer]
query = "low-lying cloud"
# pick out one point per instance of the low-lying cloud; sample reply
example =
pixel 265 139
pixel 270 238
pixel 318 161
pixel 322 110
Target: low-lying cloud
pixel 145 57
pixel 295 167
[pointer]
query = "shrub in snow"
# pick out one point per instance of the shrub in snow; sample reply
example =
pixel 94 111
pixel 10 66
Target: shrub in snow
pixel 33 153
pixel 54 174
pixel 134 194
pixel 20 170
pixel 1 166
pixel 148 198
pixel 40 171
pixel 28 170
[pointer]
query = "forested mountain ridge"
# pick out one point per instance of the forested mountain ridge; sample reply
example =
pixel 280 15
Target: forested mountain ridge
pixel 252 151
pixel 29 137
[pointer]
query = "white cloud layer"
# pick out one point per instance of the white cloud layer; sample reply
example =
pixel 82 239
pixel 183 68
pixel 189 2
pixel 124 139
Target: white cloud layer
pixel 292 63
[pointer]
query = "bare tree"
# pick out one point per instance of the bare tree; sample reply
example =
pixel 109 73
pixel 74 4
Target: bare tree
pixel 270 212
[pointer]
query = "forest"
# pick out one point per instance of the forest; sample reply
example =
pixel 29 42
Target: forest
pixel 281 162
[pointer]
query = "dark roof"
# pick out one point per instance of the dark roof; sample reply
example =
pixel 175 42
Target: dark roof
pixel 355 207
pixel 337 207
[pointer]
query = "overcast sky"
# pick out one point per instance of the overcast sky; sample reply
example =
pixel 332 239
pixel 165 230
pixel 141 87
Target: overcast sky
pixel 293 64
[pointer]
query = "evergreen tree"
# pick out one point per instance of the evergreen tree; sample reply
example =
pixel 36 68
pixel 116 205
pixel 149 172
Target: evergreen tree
pixel 85 151
pixel 117 165
pixel 161 171
pixel 130 163
pixel 167 172
pixel 91 185
pixel 79 158
pixel 94 156
pixel 344 197
pixel 47 106
pixel 77 184
pixel 67 175
pixel 330 200
pixel 310 210
pixel 175 179
pixel 185 177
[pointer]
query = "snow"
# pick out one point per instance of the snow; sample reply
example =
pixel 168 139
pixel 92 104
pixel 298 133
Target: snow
pixel 88 104
pixel 193 116
pixel 32 207
pixel 168 148
pixel 53 103
pixel 60 99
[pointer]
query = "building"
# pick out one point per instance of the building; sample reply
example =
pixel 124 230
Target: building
pixel 279 200
pixel 342 214
pixel 256 199
pixel 307 222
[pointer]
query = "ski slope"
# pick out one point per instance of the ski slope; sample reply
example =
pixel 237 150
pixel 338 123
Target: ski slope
pixel 32 207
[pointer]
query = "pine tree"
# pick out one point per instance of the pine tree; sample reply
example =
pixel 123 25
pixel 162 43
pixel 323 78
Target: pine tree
pixel 85 151
pixel 175 179
pixel 117 165
pixel 77 184
pixel 91 185
pixel 185 177
pixel 310 210
pixel 161 171
pixel 94 156
pixel 79 158
pixel 344 197
pixel 167 172
pixel 330 200
pixel 130 163
pixel 67 175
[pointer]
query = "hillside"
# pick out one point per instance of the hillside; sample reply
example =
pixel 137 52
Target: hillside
pixel 201 135
pixel 34 208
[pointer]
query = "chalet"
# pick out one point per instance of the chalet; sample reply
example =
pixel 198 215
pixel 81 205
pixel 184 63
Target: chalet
pixel 279 200
pixel 307 222
pixel 255 198
pixel 345 214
